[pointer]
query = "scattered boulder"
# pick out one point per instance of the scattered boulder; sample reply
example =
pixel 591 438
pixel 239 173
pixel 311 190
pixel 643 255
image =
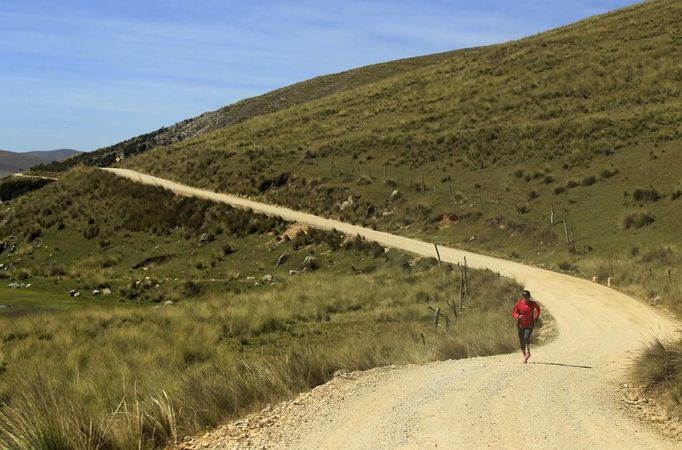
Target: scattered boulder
pixel 203 239
pixel 282 259
pixel 395 195
pixel 311 263
pixel 168 303
pixel 74 293
pixel 267 278
pixel 96 292
pixel 293 272
pixel 250 278
pixel 106 291
pixel 13 285
pixel 347 204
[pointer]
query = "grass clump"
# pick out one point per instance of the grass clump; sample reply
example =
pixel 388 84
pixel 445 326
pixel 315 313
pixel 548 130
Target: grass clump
pixel 658 368
pixel 647 195
pixel 638 220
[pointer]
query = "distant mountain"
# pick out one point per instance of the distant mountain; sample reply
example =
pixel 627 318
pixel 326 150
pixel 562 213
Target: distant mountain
pixel 54 155
pixel 13 162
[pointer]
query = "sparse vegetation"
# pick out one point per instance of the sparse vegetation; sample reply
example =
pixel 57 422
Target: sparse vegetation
pixel 122 378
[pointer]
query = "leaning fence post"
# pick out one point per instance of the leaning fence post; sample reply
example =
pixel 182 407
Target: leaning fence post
pixel 435 319
pixel 437 253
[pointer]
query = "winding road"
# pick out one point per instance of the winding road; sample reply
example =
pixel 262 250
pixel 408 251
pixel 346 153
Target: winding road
pixel 567 397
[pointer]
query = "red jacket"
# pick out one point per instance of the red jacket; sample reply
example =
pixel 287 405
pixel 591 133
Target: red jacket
pixel 523 312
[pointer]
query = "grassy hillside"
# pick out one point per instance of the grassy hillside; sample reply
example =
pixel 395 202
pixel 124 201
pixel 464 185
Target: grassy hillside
pixel 91 230
pixel 482 145
pixel 296 94
pixel 472 148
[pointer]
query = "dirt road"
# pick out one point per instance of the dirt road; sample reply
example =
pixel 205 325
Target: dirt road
pixel 567 397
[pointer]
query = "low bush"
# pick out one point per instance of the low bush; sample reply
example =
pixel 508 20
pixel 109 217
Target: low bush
pixel 638 220
pixel 589 180
pixel 608 173
pixel 646 195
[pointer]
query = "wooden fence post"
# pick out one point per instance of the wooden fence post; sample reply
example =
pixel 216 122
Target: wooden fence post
pixel 461 288
pixel 437 253
pixel 466 277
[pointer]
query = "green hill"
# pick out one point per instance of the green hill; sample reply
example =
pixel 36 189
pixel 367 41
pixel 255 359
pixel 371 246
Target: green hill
pixel 239 112
pixel 483 144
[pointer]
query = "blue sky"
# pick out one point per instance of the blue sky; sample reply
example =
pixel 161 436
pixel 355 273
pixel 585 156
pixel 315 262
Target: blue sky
pixel 89 73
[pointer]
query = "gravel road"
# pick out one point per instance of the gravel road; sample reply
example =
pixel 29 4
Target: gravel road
pixel 568 396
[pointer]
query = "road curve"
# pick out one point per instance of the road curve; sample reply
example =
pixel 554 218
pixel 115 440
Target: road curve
pixel 566 398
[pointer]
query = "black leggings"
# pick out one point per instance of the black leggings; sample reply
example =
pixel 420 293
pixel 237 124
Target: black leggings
pixel 524 336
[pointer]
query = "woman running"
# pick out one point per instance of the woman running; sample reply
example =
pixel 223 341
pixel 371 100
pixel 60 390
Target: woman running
pixel 525 315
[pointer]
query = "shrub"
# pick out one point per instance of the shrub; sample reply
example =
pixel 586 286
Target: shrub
pixel 91 232
pixel 191 289
pixel 677 193
pixel 566 266
pixel 589 180
pixel 659 365
pixel 21 275
pixel 533 194
pixel 33 233
pixel 608 173
pixel 559 190
pixel 638 220
pixel 646 195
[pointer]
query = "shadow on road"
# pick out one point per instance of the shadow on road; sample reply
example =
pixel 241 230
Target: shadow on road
pixel 560 364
